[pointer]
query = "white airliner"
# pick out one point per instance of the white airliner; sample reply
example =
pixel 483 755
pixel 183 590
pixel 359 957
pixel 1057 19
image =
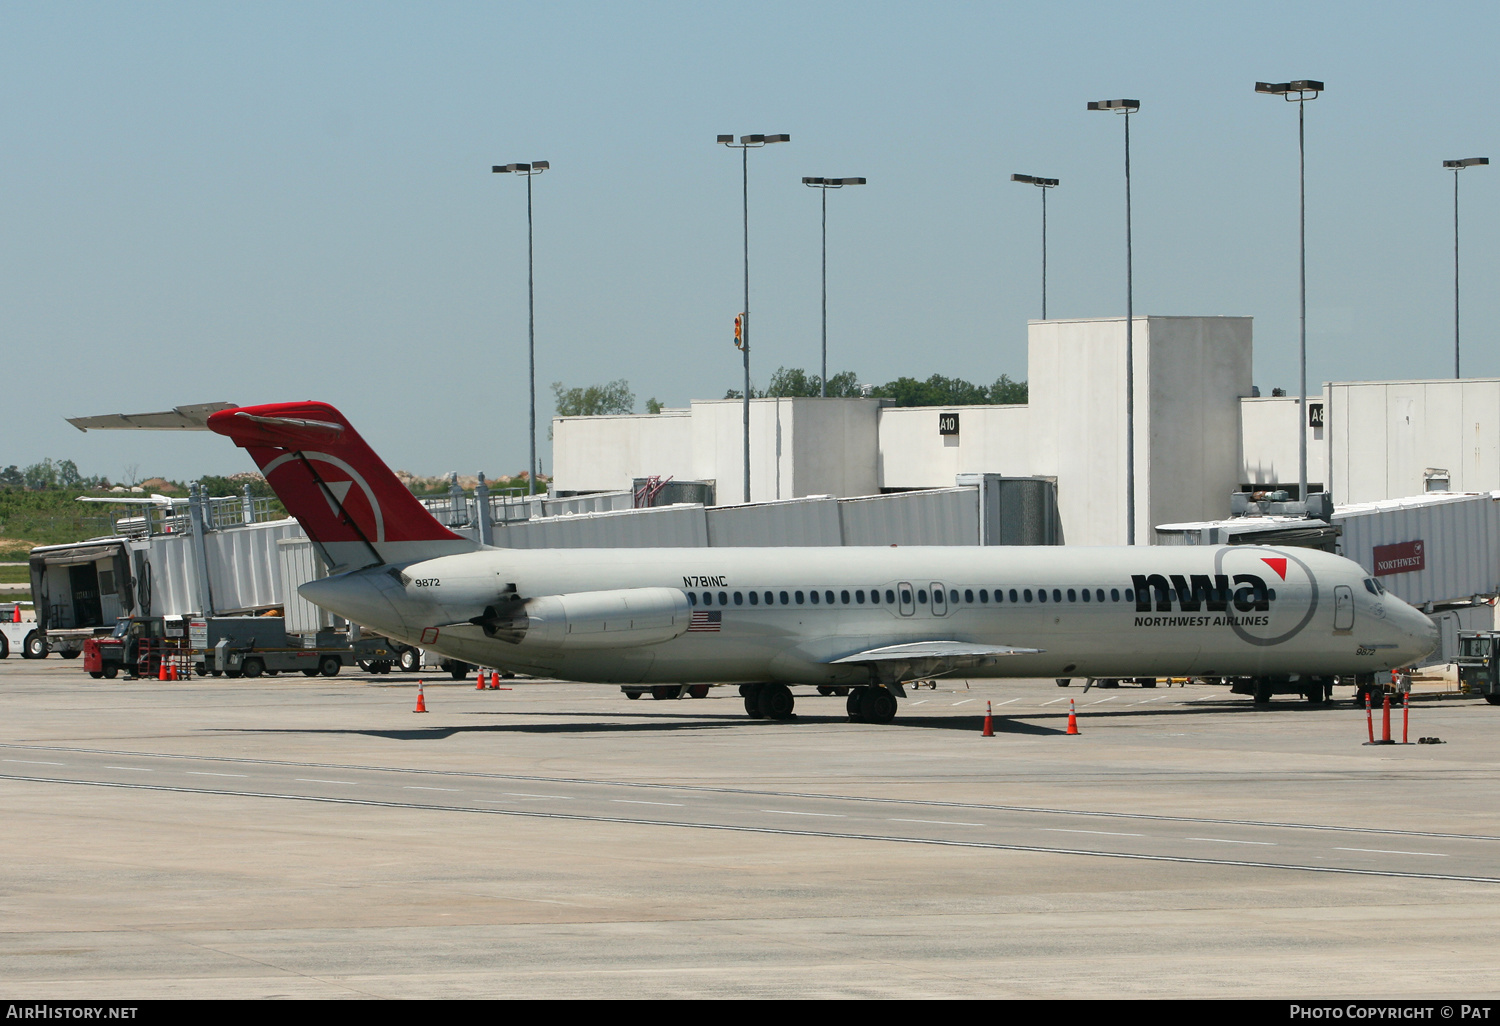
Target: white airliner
pixel 865 618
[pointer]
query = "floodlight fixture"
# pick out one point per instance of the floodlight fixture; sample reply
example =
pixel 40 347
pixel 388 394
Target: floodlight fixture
pixel 1127 107
pixel 823 185
pixel 1456 166
pixel 1299 92
pixel 529 171
pixel 745 145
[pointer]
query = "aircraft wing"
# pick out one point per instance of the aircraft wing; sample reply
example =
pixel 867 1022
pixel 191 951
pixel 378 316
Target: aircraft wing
pixel 180 418
pixel 893 664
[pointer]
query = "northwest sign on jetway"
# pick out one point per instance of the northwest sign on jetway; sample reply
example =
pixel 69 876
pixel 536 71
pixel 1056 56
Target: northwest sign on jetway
pixel 1402 558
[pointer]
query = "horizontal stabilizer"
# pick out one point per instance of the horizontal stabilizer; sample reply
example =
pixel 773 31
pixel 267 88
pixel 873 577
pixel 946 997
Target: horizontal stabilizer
pixel 181 418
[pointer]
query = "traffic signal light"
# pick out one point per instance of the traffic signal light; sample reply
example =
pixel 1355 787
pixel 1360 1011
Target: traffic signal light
pixel 739 331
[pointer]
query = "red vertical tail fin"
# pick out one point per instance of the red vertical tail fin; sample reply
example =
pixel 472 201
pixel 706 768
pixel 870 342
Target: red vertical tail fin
pixel 346 498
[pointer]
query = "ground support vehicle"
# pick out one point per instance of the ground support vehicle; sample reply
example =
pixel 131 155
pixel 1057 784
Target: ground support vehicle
pixel 1479 664
pixel 20 636
pixel 233 646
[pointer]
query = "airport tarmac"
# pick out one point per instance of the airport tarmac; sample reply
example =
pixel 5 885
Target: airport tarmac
pixel 296 837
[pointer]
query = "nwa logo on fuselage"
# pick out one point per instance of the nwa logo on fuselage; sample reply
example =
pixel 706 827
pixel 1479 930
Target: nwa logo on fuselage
pixel 1194 593
pixel 1244 602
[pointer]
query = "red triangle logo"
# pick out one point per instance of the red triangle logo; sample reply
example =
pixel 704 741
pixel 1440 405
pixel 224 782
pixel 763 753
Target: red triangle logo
pixel 1279 565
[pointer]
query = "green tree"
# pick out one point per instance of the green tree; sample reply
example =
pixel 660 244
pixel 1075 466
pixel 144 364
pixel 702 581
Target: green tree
pixel 594 400
pixel 653 405
pixel 40 476
pixel 1007 392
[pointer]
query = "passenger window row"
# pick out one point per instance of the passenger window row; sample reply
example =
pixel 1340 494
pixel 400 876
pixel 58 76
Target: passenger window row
pixel 876 596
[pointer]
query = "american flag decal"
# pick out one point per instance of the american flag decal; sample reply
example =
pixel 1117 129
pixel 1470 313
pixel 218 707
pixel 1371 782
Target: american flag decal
pixel 705 621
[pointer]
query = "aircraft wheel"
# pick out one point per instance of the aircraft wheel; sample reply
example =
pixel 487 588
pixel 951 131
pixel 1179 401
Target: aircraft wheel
pixel 840 690
pixel 1262 692
pixel 877 706
pixel 410 660
pixel 1317 693
pixel 824 690
pixel 35 646
pixel 776 701
pixel 632 695
pixel 253 668
pixel 662 692
pixel 854 705
pixel 698 690
pixel 1063 682
pixel 752 700
pixel 71 653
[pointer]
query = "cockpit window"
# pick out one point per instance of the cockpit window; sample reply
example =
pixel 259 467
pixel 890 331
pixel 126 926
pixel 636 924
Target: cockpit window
pixel 1373 586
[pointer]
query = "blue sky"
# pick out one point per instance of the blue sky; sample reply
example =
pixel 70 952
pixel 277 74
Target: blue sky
pixel 268 201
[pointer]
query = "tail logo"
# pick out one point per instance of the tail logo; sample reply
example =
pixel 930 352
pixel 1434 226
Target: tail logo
pixel 338 488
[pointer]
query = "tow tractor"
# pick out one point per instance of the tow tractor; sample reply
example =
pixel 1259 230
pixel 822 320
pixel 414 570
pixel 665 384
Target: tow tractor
pixel 18 635
pixel 1478 664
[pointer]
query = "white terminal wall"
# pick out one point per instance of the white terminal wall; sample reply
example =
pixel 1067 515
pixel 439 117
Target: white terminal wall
pixel 1190 374
pixel 1268 426
pixel 1382 436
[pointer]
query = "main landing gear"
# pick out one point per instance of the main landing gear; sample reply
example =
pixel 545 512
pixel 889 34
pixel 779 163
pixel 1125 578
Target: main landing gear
pixel 768 701
pixel 865 704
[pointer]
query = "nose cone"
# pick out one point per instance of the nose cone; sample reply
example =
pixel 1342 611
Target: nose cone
pixel 1420 635
pixel 363 596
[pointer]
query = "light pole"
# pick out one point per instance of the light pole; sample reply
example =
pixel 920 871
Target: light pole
pixel 823 185
pixel 529 171
pixel 1044 184
pixel 1299 92
pixel 1456 166
pixel 745 145
pixel 1127 108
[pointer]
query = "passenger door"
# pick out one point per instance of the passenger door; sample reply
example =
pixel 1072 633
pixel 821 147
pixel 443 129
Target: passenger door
pixel 1343 608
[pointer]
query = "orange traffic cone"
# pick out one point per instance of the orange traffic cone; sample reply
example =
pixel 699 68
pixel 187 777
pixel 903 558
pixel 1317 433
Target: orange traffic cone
pixel 1072 717
pixel 989 721
pixel 495 681
pixel 17 617
pixel 479 681
pixel 421 702
pixel 161 670
pixel 172 670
